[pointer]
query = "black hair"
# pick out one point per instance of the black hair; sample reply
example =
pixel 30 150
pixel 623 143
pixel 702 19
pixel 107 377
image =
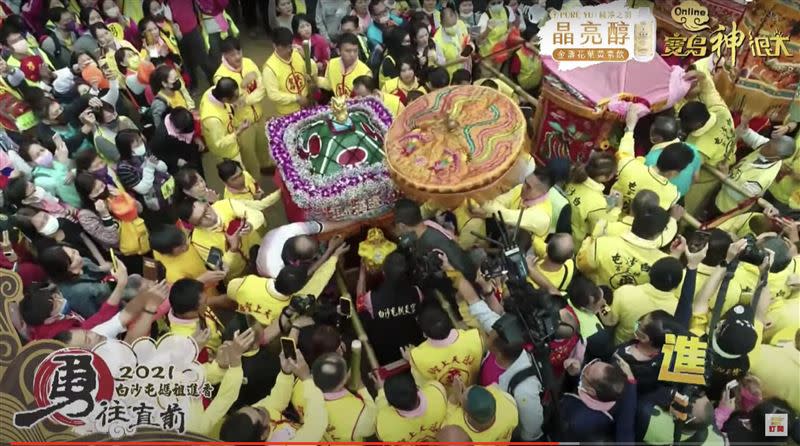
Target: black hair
pixel 143 24
pixel 54 14
pixel 660 323
pixel 508 350
pixel 611 386
pixel 781 258
pixel 393 41
pixel 348 38
pixel 319 339
pixel 185 208
pixel 401 391
pixel 96 27
pixel 365 81
pixel 84 184
pixel 413 95
pixel 303 18
pixel 665 127
pixel 282 36
pixel 124 142
pixel 373 4
pixel 758 418
pixel 666 274
pixel 718 243
pixel 676 156
pixel 84 15
pixel 55 262
pixel 650 223
pixel 226 88
pixel 184 296
pixel 582 291
pixel 531 30
pixel 693 115
pixel 182 119
pixel 407 212
pixel 230 43
pixel 8 28
pixel 239 427
pixel 439 78
pixel 24 150
pixel 291 254
pixel 328 371
pixel 159 77
pixel 166 239
pixel 489 83
pixel 461 75
pixel 37 303
pixel 186 178
pixel 599 164
pixel 556 247
pixel 227 168
pixel 16 190
pixel 291 279
pixel 435 323
pixel 120 56
pixel 350 19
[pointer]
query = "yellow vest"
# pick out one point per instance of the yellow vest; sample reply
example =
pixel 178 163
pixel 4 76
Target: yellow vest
pixel 250 186
pixel 586 198
pixel 187 265
pixel 382 79
pixel 783 189
pixel 391 426
pixel 530 69
pixel 505 419
pixel 341 83
pixel 392 103
pixel 561 278
pixel 396 87
pixel 635 176
pixel 205 238
pixel 498 28
pixel 343 413
pixel 212 109
pixel 213 324
pixel 620 260
pixel 291 79
pixel 502 87
pixel 747 171
pixel 452 46
pixel 175 100
pixel 35 51
pixel 461 359
pixel 732 297
pixel 623 226
pixel 253 297
pixel 251 113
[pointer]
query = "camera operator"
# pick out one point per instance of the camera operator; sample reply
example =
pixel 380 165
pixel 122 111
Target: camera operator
pixel 392 307
pixel 595 319
pixel 428 236
pixel 558 265
pixel 655 424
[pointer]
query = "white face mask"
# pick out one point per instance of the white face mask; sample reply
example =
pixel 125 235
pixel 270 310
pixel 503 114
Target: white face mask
pixel 38 195
pixel 20 46
pixel 113 12
pixel 139 150
pixel 51 227
pixel 496 9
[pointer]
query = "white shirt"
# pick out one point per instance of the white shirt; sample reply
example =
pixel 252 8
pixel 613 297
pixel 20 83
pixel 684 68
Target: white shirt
pixel 111 328
pixel 269 261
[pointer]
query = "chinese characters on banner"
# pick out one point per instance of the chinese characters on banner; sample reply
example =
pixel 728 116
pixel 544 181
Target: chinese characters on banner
pixel 726 42
pixel 117 388
pixel 684 360
pixel 589 35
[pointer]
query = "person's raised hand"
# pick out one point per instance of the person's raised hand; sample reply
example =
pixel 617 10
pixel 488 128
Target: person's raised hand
pixel 376 378
pixel 678 246
pixel 234 241
pixel 335 242
pixel 631 118
pixel 157 292
pixel 405 352
pixel 341 250
pixel 201 336
pixel 224 355
pixel 693 259
pixel 626 368
pixel 120 273
pixel 242 342
pixel 446 265
pixel 95 102
pixel 102 208
pixel 735 249
pixel 677 211
pixel 211 277
pixel 791 229
pixel 300 366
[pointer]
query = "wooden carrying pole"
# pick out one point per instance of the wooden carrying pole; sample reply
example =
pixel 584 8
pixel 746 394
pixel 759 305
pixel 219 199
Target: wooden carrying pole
pixel 517 89
pixel 730 183
pixel 357 325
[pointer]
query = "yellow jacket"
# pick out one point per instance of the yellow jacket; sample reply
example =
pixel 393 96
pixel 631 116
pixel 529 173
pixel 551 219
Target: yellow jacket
pixel 351 417
pixel 315 421
pixel 535 219
pixel 589 205
pixel 618 260
pixel 716 141
pixel 443 360
pixel 633 176
pixel 219 131
pixel 251 88
pixel 392 425
pixel 208 421
pixel 506 418
pixel 340 82
pixel 631 302
pixel 285 80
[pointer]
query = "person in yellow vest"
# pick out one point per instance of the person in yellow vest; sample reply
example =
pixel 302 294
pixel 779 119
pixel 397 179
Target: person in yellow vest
pixel 719 242
pixel 253 141
pixel 557 266
pixel 175 252
pixel 447 353
pixel 532 196
pixel 109 45
pixel 585 193
pixel 485 414
pixel 159 46
pixel 710 128
pixel 351 415
pixel 22 52
pixel 285 76
pixel 405 82
pixel 756 172
pixel 453 40
pixel 624 259
pixel 785 192
pixel 264 421
pixel 407 413
pixel 499 85
pixel 634 175
pixel 364 87
pixel 169 91
pixel 468 219
pixel 344 69
pixel 227 225
pixel 239 184
pixel 495 24
pixel 217 120
pixel 190 312
pixel 264 298
pixel 644 200
pixel 526 64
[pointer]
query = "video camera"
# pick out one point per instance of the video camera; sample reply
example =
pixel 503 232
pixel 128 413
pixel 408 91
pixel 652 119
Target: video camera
pixel 425 266
pixel 303 304
pixel 751 253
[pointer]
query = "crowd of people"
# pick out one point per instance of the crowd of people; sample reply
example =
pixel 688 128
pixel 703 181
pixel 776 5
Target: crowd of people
pixel 117 232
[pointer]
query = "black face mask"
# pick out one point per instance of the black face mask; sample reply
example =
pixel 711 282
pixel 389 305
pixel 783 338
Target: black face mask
pixel 69 227
pixel 177 85
pixel 103 195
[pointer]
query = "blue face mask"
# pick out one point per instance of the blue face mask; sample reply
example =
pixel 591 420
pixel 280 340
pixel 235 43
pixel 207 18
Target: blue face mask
pixel 66 308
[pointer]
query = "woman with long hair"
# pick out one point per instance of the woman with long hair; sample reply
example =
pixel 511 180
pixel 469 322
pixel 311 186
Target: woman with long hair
pixel 585 193
pixel 397 43
pixel 304 29
pixel 424 49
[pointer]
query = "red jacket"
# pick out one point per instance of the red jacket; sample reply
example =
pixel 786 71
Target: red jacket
pixel 72 320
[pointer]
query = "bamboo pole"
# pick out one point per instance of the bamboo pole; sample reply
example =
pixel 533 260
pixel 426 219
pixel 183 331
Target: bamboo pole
pixel 448 309
pixel 357 325
pixel 730 183
pixel 517 89
pixel 691 221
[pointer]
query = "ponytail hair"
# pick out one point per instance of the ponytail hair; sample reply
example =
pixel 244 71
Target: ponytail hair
pixel 599 164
